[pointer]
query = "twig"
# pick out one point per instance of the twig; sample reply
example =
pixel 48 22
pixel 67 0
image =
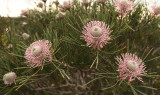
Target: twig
pixel 61 63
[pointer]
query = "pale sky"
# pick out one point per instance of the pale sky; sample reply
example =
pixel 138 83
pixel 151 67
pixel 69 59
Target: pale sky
pixel 13 8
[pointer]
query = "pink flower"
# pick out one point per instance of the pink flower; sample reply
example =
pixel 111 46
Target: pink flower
pixel 130 67
pixel 155 10
pixel 96 34
pixel 124 6
pixel 38 52
pixel 102 1
pixel 9 78
pixel 67 4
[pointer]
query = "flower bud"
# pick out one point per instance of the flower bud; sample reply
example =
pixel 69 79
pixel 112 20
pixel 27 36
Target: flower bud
pixel 9 78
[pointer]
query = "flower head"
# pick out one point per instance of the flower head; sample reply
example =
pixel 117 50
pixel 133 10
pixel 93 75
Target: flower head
pixel 130 67
pixel 67 4
pixel 38 52
pixel 155 10
pixel 124 6
pixel 96 34
pixel 9 78
pixel 25 36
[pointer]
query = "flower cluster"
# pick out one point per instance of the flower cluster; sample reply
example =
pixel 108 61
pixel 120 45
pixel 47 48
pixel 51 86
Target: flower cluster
pixel 96 34
pixel 124 6
pixel 130 67
pixel 9 78
pixel 155 10
pixel 38 52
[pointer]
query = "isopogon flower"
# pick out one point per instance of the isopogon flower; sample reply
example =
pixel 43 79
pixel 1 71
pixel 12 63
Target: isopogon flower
pixel 25 36
pixel 155 10
pixel 96 34
pixel 130 67
pixel 9 78
pixel 38 52
pixel 60 15
pixel 67 4
pixel 124 6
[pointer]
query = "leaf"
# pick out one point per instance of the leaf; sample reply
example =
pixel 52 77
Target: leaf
pixel 133 90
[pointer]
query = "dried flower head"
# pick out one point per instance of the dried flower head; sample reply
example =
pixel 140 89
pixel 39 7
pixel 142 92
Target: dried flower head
pixel 38 52
pixel 67 4
pixel 60 15
pixel 130 67
pixel 124 6
pixel 9 78
pixel 155 10
pixel 96 34
pixel 25 36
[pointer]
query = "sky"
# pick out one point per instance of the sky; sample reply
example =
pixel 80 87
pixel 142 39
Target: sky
pixel 13 8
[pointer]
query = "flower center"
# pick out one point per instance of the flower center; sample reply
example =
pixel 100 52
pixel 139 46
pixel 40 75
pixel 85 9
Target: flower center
pixel 96 31
pixel 9 77
pixel 36 50
pixel 132 65
pixel 124 1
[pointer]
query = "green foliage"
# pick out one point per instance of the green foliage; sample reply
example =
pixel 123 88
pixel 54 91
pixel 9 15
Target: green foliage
pixel 77 68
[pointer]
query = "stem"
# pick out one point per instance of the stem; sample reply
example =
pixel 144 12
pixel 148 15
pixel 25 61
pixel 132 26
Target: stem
pixel 28 79
pixel 97 59
pixel 61 63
